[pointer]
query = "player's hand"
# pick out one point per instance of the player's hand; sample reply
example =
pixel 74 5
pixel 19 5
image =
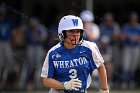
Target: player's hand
pixel 73 84
pixel 104 91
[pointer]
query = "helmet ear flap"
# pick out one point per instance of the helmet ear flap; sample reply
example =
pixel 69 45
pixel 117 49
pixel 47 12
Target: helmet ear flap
pixel 62 36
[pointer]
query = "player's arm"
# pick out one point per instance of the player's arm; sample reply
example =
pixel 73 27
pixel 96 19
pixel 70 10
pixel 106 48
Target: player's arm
pixel 103 78
pixel 98 60
pixel 48 72
pixel 52 83
pixel 73 84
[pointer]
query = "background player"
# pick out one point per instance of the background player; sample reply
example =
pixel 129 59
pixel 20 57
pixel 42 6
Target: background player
pixel 92 32
pixel 69 64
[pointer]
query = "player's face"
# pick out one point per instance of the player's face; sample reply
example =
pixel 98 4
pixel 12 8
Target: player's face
pixel 73 36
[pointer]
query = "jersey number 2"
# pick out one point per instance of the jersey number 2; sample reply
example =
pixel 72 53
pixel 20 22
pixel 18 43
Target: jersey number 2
pixel 73 73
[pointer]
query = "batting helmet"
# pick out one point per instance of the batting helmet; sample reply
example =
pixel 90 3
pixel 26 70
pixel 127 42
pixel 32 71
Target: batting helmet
pixel 69 22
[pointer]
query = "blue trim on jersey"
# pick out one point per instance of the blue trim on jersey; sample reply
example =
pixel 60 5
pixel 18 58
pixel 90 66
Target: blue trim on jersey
pixel 65 64
pixel 106 30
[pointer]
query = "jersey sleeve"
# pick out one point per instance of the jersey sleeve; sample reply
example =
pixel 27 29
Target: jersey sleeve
pixel 96 55
pixel 48 67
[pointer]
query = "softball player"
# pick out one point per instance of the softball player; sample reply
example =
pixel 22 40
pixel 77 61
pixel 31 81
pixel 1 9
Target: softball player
pixel 69 64
pixel 92 32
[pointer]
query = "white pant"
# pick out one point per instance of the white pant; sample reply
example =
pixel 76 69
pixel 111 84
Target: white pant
pixel 6 55
pixel 131 57
pixel 55 91
pixel 35 55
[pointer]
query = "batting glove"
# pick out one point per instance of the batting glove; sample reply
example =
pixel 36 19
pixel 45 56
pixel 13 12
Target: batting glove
pixel 104 91
pixel 73 84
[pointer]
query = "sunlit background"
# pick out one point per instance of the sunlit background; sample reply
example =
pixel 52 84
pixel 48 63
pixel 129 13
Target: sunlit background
pixel 23 50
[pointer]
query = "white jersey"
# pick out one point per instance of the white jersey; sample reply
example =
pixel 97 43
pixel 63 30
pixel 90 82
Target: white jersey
pixel 92 30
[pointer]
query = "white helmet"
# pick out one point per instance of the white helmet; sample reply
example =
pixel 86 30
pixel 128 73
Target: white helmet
pixel 69 22
pixel 86 15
